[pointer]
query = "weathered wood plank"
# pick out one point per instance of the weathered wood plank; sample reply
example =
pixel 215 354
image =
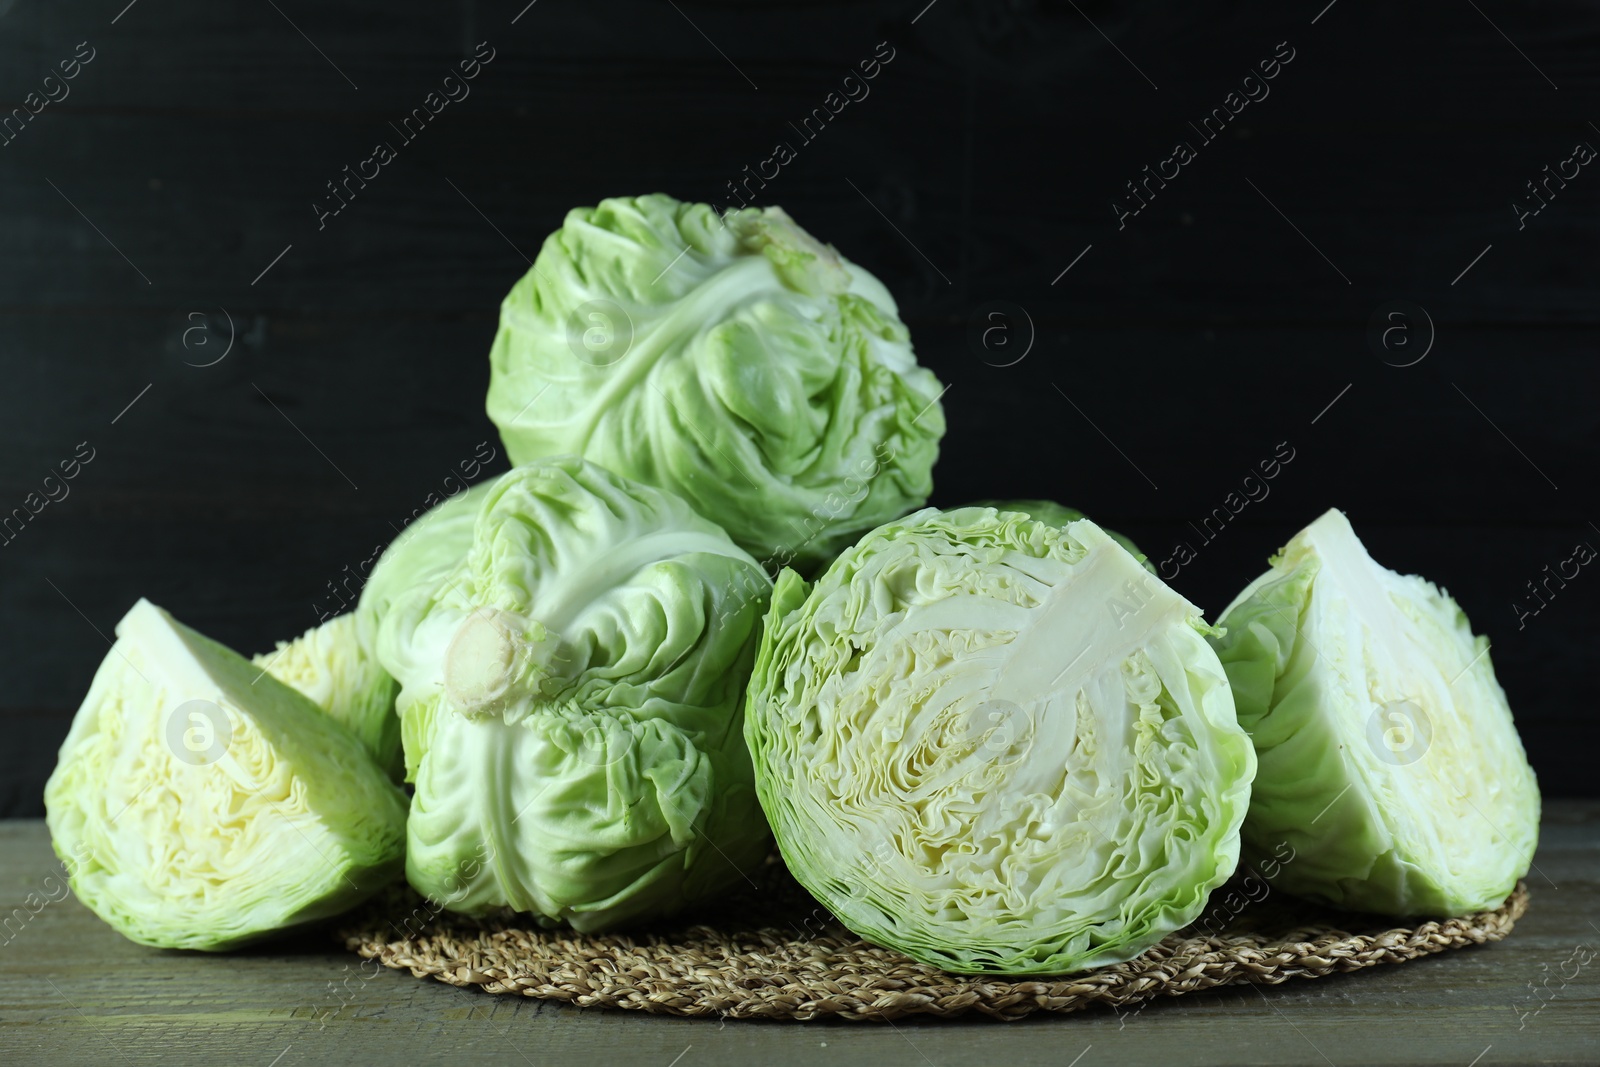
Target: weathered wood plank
pixel 73 991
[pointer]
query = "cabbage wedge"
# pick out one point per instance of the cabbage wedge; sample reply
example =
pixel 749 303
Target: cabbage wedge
pixel 996 745
pixel 200 803
pixel 1389 760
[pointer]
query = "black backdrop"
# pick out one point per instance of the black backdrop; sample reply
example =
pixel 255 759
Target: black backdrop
pixel 167 200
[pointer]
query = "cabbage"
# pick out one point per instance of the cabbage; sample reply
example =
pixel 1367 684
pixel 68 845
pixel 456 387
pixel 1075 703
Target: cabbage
pixel 996 745
pixel 733 360
pixel 200 803
pixel 424 552
pixel 571 703
pixel 415 562
pixel 333 665
pixel 1389 761
pixel 1053 514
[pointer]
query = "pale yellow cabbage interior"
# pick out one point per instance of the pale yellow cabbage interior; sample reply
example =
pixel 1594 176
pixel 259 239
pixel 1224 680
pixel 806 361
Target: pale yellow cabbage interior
pixel 333 666
pixel 1013 758
pixel 1460 810
pixel 290 821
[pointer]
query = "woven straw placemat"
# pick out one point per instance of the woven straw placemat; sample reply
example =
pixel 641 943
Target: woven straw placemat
pixel 770 952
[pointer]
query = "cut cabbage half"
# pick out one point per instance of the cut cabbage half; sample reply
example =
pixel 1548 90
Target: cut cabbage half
pixel 996 745
pixel 1389 761
pixel 200 803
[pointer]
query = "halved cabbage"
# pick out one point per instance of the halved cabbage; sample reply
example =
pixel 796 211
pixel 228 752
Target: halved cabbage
pixel 571 703
pixel 333 665
pixel 1389 761
pixel 200 803
pixel 734 360
pixel 996 745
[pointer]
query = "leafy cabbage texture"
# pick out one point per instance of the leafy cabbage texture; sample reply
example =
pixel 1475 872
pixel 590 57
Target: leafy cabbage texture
pixel 997 745
pixel 572 701
pixel 732 359
pixel 333 664
pixel 200 803
pixel 1052 514
pixel 1389 760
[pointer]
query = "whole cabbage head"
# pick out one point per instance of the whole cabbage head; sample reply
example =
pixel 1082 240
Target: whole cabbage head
pixel 734 360
pixel 1390 767
pixel 200 803
pixel 997 746
pixel 334 666
pixel 571 704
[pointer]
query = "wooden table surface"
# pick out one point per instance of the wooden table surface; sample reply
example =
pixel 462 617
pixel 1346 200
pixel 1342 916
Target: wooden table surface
pixel 73 991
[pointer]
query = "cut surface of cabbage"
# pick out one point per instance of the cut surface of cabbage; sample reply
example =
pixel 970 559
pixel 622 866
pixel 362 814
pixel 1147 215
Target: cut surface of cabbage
pixel 1389 761
pixel 996 745
pixel 200 803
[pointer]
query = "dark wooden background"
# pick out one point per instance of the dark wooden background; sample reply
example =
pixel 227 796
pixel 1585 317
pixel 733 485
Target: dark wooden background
pixel 1221 321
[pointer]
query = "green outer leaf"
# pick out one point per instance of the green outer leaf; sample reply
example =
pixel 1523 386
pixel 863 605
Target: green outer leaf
pixel 423 552
pixel 571 704
pixel 403 582
pixel 997 746
pixel 740 363
pixel 1323 652
pixel 288 821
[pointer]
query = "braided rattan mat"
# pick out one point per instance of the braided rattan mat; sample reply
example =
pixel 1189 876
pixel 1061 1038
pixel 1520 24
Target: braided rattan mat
pixel 771 952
